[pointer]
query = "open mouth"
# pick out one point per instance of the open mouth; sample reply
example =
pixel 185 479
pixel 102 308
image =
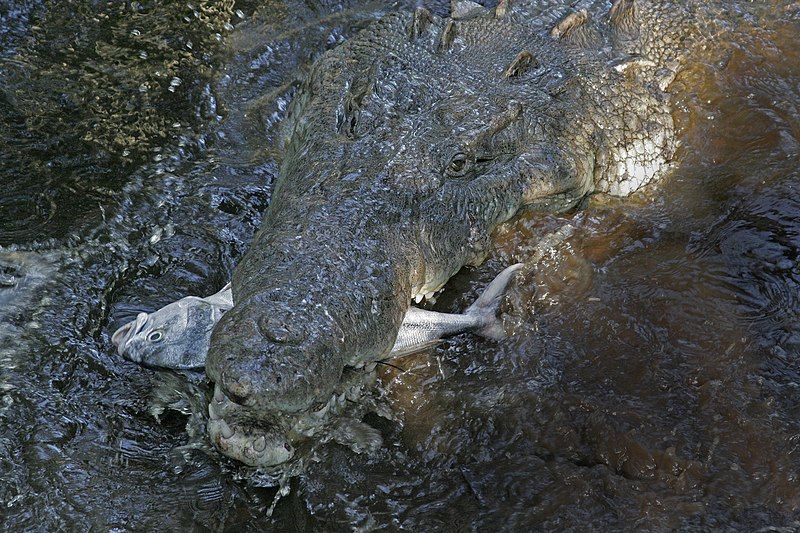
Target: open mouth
pixel 262 439
pixel 123 335
pixel 251 442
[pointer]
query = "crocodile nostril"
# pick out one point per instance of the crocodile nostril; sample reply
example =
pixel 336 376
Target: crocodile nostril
pixel 280 329
pixel 237 389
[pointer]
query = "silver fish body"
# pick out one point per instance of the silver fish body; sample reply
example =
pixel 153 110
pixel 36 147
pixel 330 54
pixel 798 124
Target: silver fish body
pixel 421 327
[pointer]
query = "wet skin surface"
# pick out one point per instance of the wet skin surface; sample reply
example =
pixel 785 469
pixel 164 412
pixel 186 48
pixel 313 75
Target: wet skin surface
pixel 408 145
pixel 652 383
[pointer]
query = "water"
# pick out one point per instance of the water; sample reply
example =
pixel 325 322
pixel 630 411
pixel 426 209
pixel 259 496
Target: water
pixel 653 381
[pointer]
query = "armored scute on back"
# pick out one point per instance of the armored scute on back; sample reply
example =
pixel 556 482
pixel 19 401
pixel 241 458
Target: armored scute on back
pixel 407 146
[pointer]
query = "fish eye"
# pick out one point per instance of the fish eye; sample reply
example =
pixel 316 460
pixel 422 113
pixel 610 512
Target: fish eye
pixel 155 336
pixel 458 164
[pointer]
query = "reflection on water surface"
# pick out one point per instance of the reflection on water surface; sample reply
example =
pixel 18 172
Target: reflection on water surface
pixel 653 382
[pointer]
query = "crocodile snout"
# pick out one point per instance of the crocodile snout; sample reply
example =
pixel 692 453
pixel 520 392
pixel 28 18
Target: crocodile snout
pixel 271 366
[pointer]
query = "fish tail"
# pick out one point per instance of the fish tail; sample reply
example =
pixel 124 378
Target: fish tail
pixel 486 307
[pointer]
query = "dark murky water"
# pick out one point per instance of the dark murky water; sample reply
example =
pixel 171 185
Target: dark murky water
pixel 654 381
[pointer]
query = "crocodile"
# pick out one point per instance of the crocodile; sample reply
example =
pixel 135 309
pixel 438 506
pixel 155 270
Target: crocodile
pixel 405 147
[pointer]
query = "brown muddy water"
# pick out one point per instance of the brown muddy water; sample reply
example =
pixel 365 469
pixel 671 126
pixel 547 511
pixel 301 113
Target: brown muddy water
pixel 653 380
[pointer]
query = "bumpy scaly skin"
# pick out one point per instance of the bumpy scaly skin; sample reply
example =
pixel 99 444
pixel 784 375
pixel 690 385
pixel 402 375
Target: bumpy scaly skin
pixel 409 144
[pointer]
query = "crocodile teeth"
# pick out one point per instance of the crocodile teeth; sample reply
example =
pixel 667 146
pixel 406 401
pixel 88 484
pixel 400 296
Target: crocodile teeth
pixel 323 410
pixel 218 396
pixel 225 429
pixel 212 412
pixel 260 444
pixel 418 298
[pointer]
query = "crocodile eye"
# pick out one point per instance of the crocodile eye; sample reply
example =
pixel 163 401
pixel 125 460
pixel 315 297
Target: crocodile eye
pixel 155 336
pixel 458 165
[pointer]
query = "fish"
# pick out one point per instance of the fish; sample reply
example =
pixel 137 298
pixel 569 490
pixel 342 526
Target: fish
pixel 177 336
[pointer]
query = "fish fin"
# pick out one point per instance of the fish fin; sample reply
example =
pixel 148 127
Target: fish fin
pixel 222 298
pixel 487 305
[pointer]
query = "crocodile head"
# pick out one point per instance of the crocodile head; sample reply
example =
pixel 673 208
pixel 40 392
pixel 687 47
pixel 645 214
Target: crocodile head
pixel 405 148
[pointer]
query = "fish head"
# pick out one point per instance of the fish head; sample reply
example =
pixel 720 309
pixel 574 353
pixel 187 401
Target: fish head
pixel 176 336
